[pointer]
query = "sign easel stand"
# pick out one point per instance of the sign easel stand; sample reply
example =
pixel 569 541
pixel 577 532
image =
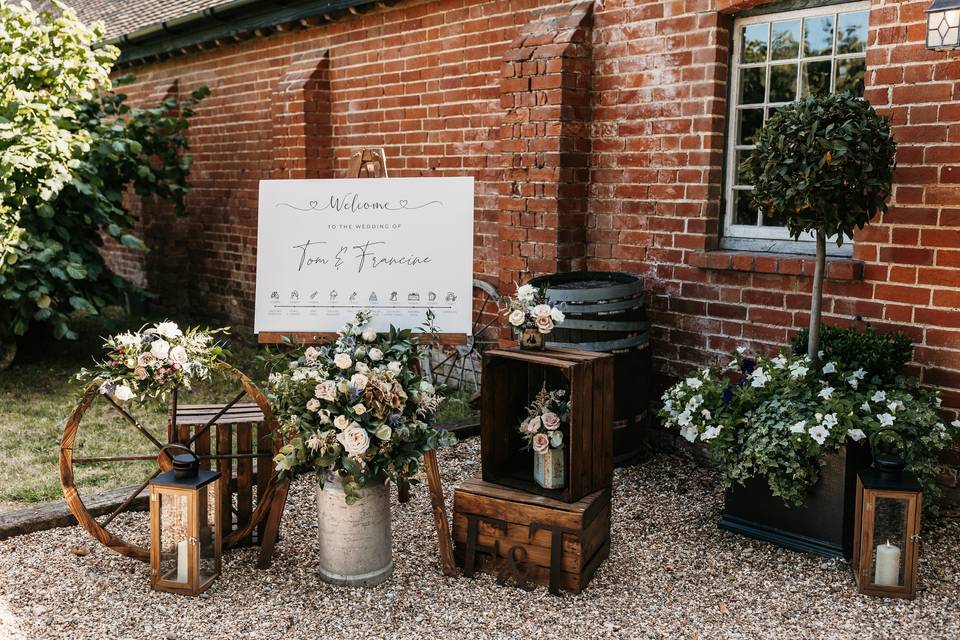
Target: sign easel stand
pixel 370 163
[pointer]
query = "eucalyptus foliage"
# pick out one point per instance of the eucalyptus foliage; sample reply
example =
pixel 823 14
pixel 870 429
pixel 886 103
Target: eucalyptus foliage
pixel 779 417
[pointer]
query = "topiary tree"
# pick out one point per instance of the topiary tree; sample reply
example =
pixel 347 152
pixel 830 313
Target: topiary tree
pixel 822 165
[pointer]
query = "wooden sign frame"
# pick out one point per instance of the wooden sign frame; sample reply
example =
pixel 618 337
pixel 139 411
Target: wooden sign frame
pixel 372 163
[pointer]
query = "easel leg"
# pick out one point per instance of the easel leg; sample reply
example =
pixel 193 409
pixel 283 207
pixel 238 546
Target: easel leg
pixel 440 514
pixel 272 528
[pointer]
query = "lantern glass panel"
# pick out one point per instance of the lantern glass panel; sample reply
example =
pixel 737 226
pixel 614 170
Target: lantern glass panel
pixel 208 537
pixel 174 537
pixel 889 541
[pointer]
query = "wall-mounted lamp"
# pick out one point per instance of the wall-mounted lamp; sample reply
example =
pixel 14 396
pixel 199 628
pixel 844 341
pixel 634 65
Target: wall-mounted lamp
pixel 943 25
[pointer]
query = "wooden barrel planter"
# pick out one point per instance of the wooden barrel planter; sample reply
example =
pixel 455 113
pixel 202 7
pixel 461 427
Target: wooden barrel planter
pixel 606 312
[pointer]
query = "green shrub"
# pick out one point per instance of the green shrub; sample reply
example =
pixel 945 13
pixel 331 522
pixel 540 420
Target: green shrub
pixel 879 354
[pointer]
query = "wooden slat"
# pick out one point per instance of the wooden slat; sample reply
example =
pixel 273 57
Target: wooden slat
pixel 202 447
pixel 225 467
pixel 244 474
pixel 264 468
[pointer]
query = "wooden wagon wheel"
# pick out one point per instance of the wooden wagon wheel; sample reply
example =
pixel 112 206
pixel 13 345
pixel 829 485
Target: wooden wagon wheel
pixel 69 459
pixel 458 366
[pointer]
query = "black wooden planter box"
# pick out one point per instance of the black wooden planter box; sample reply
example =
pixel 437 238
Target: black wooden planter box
pixel 823 525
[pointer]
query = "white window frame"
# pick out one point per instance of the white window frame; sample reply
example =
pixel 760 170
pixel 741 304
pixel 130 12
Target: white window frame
pixel 773 238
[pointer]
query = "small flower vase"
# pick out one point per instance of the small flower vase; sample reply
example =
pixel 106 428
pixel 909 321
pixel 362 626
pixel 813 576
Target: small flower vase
pixel 550 468
pixel 532 339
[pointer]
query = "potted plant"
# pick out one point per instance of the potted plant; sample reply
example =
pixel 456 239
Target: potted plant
pixel 530 316
pixel 544 430
pixel 822 166
pixel 356 413
pixel 787 438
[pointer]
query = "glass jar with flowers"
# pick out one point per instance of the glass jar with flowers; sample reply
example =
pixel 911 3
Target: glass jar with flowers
pixel 531 316
pixel 544 431
pixel 356 413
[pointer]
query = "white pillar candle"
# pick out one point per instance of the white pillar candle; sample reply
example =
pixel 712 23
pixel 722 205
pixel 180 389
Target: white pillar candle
pixel 888 565
pixel 183 559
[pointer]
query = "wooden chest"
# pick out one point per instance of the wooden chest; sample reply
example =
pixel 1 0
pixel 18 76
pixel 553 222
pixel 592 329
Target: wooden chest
pixel 511 380
pixel 526 538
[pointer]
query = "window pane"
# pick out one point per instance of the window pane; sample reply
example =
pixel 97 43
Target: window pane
pixel 815 78
pixel 750 121
pixel 772 222
pixel 852 32
pixel 818 36
pixel 754 46
pixel 752 85
pixel 850 76
pixel 783 82
pixel 744 212
pixel 742 155
pixel 785 40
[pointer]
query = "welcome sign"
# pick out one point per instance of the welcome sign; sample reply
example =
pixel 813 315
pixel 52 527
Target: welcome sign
pixel 395 246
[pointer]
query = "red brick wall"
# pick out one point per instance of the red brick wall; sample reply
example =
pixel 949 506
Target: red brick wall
pixel 640 96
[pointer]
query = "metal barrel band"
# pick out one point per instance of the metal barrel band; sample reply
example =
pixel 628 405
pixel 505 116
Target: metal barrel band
pixel 607 345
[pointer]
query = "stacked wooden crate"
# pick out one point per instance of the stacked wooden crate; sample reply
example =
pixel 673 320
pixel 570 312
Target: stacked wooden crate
pixel 505 523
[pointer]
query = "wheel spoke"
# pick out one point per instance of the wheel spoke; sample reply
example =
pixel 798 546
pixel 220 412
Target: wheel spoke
pixel 91 459
pixel 129 418
pixel 479 315
pixel 485 327
pixel 126 503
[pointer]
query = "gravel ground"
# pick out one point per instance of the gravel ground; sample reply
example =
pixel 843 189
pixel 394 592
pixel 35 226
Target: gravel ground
pixel 671 574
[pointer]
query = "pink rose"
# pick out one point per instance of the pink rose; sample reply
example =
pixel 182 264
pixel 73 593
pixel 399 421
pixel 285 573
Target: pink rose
pixel 544 324
pixel 178 356
pixel 550 420
pixel 140 373
pixel 540 443
pixel 533 424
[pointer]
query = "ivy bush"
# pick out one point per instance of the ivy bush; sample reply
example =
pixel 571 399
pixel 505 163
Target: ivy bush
pixel 778 417
pixel 881 354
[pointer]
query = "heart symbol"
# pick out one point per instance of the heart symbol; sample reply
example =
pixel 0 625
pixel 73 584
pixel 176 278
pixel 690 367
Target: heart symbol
pixel 313 204
pixel 403 204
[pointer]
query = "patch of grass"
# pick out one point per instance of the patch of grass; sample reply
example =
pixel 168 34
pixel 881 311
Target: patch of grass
pixel 39 391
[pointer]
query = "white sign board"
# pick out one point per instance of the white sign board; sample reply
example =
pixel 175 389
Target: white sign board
pixel 395 246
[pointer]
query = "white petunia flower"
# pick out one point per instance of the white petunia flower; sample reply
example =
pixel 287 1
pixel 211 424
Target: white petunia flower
pixel 798 427
pixel 694 383
pixel 955 424
pixel 706 414
pixel 859 374
pixel 798 371
pixel 689 432
pixel 893 406
pixel 826 393
pixel 741 350
pixel 779 362
pixel 759 378
pixel 710 433
pixel 830 420
pixel 684 419
pixel 879 396
pixel 819 433
pixel 829 368
pixel 856 434
pixel 885 419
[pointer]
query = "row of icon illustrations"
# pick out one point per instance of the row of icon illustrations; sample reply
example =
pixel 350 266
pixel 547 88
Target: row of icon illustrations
pixel 413 296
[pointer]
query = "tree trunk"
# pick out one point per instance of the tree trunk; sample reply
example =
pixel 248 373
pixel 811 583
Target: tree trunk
pixel 813 344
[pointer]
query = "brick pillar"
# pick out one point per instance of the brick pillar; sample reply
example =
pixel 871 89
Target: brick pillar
pixel 302 127
pixel 545 145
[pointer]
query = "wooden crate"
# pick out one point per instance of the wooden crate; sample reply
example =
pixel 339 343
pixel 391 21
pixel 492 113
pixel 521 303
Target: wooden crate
pixel 519 536
pixel 512 379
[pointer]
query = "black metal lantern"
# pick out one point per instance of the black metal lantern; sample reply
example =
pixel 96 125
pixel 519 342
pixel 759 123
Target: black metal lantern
pixel 887 529
pixel 185 536
pixel 943 25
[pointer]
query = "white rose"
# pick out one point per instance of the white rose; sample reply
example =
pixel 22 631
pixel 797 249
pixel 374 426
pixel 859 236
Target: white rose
pixel 375 354
pixel 384 432
pixel 362 367
pixel 556 315
pixel 326 390
pixel 533 424
pixel 313 404
pixel 359 381
pixel 369 334
pixel 359 409
pixel 343 360
pixel 160 349
pixel 178 355
pixel 541 311
pixel 146 359
pixel 526 292
pixel 122 393
pixel 169 330
pixel 311 354
pixel 394 367
pixel 341 422
pixel 355 440
pixel 540 442
pixel 517 317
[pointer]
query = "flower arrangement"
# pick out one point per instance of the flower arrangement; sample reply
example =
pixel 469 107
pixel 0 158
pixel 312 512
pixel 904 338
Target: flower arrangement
pixel 151 362
pixel 358 408
pixel 547 420
pixel 777 417
pixel 530 310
